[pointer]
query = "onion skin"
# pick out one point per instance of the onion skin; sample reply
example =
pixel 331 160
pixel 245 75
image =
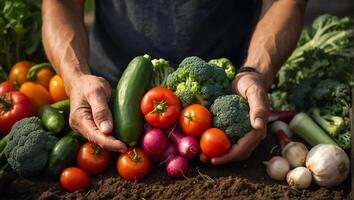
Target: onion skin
pixel 295 153
pixel 277 168
pixel 329 165
pixel 300 177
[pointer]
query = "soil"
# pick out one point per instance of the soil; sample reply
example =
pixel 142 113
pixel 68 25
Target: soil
pixel 242 180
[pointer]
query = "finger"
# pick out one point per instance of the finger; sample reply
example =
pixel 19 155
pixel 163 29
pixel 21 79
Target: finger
pixel 101 113
pixel 258 108
pixel 104 141
pixel 82 121
pixel 241 150
pixel 203 158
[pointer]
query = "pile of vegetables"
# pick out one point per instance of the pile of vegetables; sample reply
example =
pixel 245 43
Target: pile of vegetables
pixel 317 79
pixel 178 123
pixel 327 164
pixel 170 116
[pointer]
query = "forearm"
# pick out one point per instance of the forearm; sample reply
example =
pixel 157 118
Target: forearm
pixel 275 36
pixel 65 38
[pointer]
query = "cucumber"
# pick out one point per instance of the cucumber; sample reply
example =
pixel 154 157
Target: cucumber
pixel 3 142
pixel 63 106
pixel 128 120
pixel 63 154
pixel 51 119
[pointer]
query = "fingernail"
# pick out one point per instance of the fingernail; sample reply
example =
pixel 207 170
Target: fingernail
pixel 105 126
pixel 258 122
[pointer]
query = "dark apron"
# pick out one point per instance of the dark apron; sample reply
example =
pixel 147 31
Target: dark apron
pixel 170 29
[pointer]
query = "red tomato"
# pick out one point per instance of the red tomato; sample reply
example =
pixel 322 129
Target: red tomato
pixel 14 106
pixel 133 164
pixel 7 86
pixel 92 158
pixel 73 179
pixel 194 120
pixel 214 143
pixel 161 107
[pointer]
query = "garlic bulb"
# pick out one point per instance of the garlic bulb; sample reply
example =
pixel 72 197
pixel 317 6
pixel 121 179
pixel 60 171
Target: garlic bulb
pixel 277 168
pixel 329 164
pixel 300 177
pixel 295 153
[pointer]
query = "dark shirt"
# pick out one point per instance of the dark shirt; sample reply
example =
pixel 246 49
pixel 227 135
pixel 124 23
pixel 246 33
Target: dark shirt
pixel 170 29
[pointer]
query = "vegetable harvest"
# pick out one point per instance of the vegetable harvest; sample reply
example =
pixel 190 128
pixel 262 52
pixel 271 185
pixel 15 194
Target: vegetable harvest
pixel 171 117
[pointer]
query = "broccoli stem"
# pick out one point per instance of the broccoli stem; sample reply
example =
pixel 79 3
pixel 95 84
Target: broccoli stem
pixel 333 125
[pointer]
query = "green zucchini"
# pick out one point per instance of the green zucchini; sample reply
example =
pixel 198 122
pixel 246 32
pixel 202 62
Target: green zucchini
pixel 63 106
pixel 51 119
pixel 3 142
pixel 63 154
pixel 128 119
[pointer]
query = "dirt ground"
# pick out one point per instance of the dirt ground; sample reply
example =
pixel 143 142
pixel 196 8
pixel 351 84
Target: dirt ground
pixel 242 180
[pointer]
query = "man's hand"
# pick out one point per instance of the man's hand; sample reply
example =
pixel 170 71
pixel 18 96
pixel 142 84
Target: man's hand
pixel 90 114
pixel 250 86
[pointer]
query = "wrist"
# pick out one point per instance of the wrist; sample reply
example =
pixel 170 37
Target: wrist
pixel 265 74
pixel 71 75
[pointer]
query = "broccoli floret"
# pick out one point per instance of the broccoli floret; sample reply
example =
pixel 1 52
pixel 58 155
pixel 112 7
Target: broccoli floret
pixel 333 125
pixel 301 95
pixel 195 81
pixel 344 140
pixel 331 90
pixel 28 147
pixel 162 69
pixel 231 114
pixel 279 100
pixel 225 64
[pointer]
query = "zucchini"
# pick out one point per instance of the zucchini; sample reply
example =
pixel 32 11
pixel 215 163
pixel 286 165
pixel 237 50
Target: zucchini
pixel 51 119
pixel 63 106
pixel 128 119
pixel 63 154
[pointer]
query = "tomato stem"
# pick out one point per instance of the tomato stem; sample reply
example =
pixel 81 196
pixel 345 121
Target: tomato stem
pixel 96 150
pixel 159 107
pixel 135 158
pixel 6 103
pixel 189 116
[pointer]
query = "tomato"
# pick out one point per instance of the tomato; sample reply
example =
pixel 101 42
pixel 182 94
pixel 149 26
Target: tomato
pixel 73 179
pixel 160 107
pixel 7 86
pixel 133 164
pixel 92 158
pixel 14 106
pixel 214 143
pixel 37 93
pixel 44 76
pixel 56 89
pixel 19 71
pixel 194 120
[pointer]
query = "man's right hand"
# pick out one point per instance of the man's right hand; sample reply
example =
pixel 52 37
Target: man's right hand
pixel 89 111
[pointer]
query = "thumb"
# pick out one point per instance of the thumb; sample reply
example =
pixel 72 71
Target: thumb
pixel 101 113
pixel 257 101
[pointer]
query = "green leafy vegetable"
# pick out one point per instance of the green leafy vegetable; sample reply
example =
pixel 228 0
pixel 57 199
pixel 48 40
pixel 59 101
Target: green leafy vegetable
pixel 20 37
pixel 28 147
pixel 231 114
pixel 225 64
pixel 162 69
pixel 195 81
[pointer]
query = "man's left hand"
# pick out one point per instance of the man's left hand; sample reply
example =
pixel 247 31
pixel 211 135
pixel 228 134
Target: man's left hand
pixel 250 86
